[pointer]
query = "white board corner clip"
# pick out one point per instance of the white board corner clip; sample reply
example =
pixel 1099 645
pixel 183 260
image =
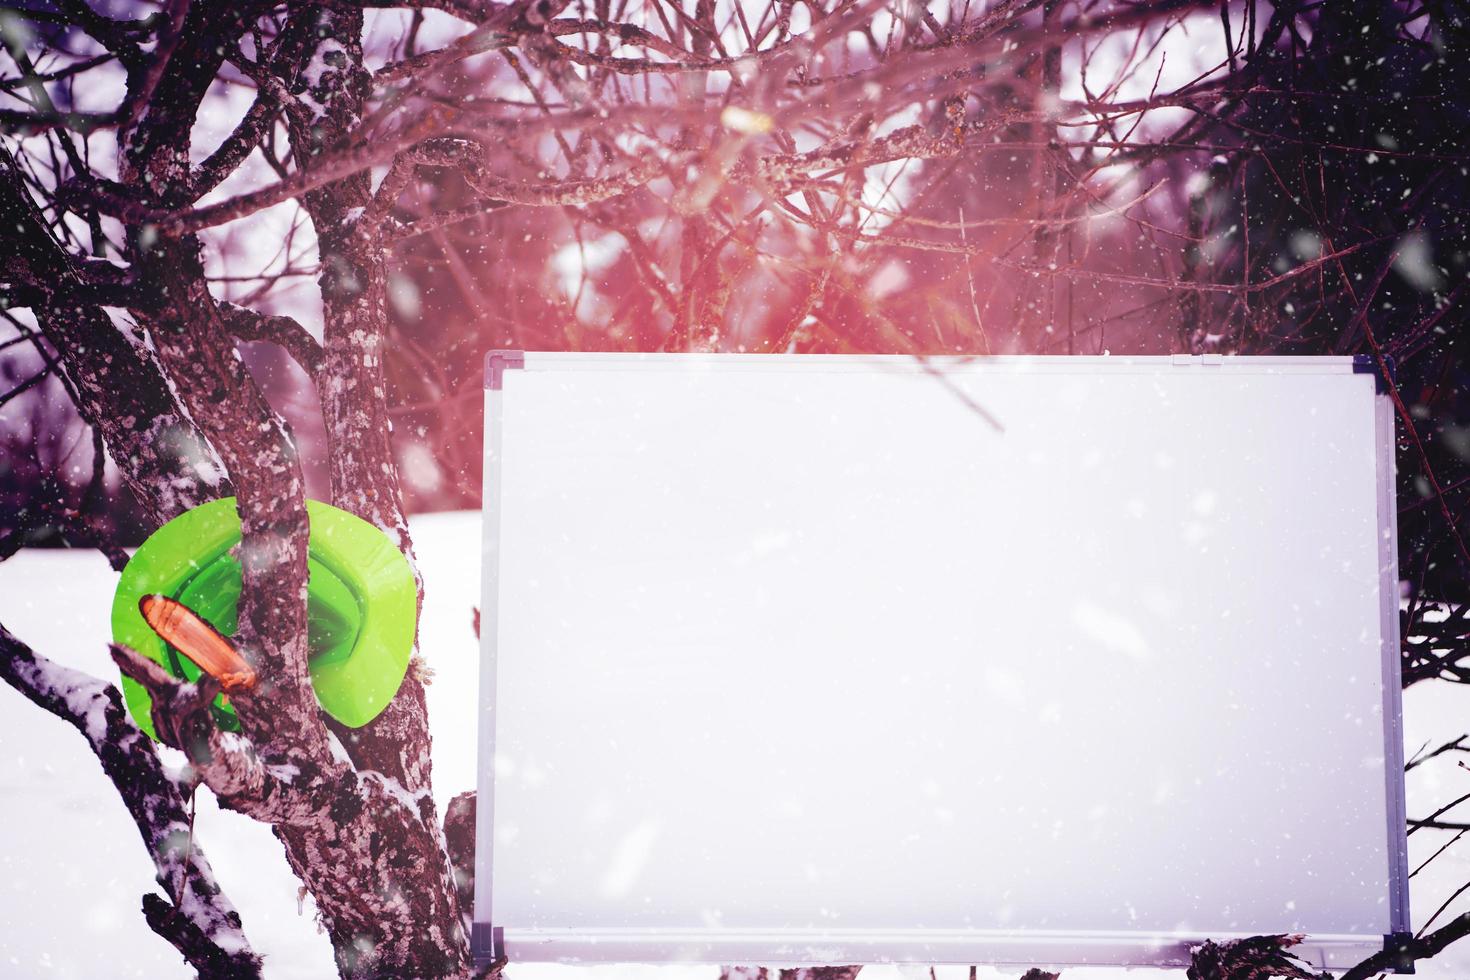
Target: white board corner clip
pixel 487 945
pixel 497 362
pixel 1368 364
pixel 1397 945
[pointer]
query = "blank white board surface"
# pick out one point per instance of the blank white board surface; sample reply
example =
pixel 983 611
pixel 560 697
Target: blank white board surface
pixel 798 659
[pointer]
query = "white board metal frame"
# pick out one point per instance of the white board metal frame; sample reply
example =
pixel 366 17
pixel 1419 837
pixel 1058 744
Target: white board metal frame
pixel 493 941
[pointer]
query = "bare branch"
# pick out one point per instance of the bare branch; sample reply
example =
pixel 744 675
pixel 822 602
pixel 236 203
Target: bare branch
pixel 283 331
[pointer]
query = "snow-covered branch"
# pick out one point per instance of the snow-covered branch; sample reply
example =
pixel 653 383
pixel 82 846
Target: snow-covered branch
pixel 193 914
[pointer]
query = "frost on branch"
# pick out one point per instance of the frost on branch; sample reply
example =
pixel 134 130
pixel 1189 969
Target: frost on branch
pixel 193 914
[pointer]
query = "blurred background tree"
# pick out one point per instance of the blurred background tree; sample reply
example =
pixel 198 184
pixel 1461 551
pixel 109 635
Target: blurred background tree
pixel 1114 189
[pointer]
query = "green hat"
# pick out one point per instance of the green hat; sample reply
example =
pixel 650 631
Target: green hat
pixel 362 606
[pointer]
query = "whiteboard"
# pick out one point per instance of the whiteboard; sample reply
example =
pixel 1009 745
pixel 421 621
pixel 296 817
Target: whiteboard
pixel 848 659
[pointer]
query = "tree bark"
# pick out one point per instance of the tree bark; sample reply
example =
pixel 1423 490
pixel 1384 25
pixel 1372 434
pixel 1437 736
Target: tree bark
pixel 122 393
pixel 366 843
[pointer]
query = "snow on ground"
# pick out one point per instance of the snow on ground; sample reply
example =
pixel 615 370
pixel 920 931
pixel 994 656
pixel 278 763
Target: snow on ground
pixel 72 871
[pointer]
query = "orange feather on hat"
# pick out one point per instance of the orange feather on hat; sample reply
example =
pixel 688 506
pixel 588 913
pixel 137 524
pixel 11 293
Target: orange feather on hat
pixel 187 632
